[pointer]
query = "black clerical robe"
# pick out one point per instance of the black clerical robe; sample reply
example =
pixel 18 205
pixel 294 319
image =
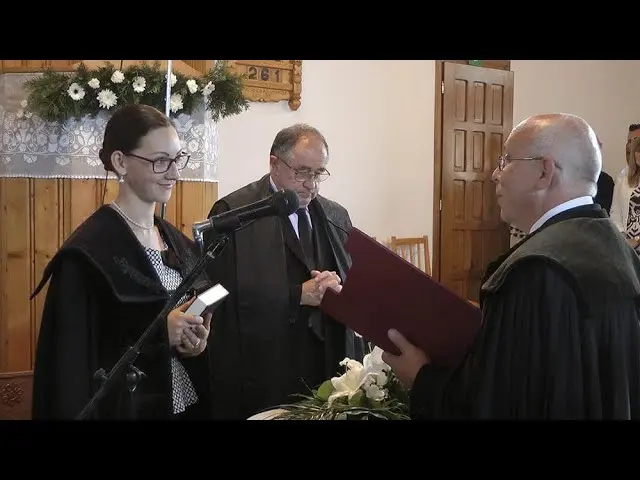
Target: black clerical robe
pixel 604 196
pixel 264 343
pixel 560 336
pixel 104 292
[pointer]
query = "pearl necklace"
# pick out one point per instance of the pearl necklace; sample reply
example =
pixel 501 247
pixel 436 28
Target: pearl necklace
pixel 121 212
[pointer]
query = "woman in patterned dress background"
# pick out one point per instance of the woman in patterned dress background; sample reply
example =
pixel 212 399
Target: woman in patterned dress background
pixel 625 207
pixel 109 281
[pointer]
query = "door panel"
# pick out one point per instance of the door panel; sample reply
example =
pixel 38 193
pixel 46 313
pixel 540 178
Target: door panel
pixel 477 117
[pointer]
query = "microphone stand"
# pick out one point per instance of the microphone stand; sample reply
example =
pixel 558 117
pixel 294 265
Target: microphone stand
pixel 125 363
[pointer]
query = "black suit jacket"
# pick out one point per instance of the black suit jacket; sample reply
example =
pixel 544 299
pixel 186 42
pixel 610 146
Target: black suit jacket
pixel 604 197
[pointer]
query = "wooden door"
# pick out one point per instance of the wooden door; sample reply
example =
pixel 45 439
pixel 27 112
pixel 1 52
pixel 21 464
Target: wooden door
pixel 477 117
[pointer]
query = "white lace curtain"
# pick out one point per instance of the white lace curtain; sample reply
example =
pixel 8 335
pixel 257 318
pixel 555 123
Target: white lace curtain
pixel 31 147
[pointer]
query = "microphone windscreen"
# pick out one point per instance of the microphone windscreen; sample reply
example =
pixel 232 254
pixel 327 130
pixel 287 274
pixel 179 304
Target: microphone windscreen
pixel 286 202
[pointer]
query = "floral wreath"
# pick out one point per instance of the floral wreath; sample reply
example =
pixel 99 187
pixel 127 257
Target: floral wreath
pixel 59 96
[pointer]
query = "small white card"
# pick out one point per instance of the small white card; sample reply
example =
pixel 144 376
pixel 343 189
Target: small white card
pixel 208 298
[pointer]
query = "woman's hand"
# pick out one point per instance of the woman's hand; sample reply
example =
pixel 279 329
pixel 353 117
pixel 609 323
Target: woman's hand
pixel 194 339
pixel 178 322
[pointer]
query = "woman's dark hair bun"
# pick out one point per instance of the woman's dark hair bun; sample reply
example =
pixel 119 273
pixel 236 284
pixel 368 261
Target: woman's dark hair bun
pixel 126 128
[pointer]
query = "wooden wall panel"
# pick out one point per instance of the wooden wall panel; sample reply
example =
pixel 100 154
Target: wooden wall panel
pixel 48 234
pixel 23 66
pixel 187 67
pixel 15 326
pixel 202 66
pixel 36 216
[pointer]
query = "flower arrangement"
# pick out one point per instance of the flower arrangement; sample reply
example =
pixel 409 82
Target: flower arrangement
pixel 60 96
pixel 366 391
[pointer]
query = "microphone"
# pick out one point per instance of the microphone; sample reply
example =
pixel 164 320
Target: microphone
pixel 282 204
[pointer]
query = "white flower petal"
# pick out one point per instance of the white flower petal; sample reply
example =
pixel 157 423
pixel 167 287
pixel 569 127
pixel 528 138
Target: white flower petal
pixel 117 77
pixel 192 85
pixel 75 91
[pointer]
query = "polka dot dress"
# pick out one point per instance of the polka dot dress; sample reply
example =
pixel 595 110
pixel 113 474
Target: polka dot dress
pixel 517 235
pixel 184 394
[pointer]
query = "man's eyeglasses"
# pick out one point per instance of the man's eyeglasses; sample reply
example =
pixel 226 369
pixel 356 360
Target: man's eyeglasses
pixel 161 165
pixel 504 160
pixel 305 176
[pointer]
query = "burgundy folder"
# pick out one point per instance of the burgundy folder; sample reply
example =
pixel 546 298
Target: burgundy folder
pixel 382 291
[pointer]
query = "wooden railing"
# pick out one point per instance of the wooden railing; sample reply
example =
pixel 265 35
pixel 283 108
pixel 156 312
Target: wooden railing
pixel 188 67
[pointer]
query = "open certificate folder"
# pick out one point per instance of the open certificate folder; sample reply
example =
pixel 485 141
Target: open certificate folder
pixel 383 291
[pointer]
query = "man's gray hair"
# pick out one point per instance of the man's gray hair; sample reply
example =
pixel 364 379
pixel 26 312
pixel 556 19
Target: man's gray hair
pixel 288 138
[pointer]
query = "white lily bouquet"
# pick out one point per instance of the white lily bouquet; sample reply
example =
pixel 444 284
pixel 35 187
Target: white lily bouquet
pixel 366 391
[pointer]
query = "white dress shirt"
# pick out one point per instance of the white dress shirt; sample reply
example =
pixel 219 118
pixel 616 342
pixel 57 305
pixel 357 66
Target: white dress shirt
pixel 294 216
pixel 576 202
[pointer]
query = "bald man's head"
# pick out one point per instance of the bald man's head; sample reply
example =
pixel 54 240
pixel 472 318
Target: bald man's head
pixel 548 160
pixel 569 141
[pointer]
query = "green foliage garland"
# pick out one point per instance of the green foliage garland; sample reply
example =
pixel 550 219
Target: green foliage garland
pixel 61 96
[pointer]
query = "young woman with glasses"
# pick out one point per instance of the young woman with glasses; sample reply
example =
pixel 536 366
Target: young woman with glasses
pixel 110 280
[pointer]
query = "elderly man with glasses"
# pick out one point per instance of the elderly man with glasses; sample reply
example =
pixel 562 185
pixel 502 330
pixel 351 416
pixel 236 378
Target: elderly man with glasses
pixel 271 340
pixel 560 335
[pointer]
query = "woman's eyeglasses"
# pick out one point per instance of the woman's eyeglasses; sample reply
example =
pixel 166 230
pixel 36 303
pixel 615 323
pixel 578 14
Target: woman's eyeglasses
pixel 161 165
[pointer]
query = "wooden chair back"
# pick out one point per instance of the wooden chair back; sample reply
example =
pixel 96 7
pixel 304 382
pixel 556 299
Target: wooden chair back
pixel 414 250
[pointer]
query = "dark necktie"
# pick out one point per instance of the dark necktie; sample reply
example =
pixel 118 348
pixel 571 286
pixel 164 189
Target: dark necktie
pixel 304 231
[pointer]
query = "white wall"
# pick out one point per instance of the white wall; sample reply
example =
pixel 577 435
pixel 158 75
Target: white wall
pixel 603 92
pixel 378 117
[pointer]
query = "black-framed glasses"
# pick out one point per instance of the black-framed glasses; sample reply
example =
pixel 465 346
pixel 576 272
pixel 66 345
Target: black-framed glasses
pixel 504 160
pixel 161 165
pixel 305 176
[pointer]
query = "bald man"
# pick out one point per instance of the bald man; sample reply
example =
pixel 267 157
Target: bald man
pixel 560 336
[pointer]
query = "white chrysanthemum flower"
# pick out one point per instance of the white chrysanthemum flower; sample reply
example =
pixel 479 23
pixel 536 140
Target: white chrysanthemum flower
pixel 139 84
pixel 192 85
pixel 94 83
pixel 175 102
pixel 75 91
pixel 117 77
pixel 23 104
pixel 20 113
pixel 107 99
pixel 208 89
pixel 174 80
